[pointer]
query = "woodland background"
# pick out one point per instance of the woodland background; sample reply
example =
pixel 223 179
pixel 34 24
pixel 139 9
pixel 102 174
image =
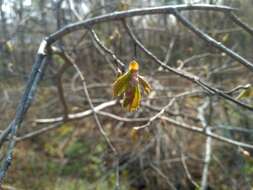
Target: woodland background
pixel 74 155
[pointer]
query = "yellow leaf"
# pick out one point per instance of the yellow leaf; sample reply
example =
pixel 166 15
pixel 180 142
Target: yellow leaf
pixel 121 84
pixel 225 37
pixel 132 98
pixel 136 100
pixel 247 93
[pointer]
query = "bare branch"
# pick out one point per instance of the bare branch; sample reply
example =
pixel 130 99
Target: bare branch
pixel 239 22
pixel 237 88
pixel 38 68
pixel 183 158
pixel 79 115
pixel 130 13
pixel 186 75
pixel 93 110
pixel 160 173
pixel 208 147
pixel 85 89
pixel 120 64
pixel 212 41
pixel 38 132
pixel 203 132
pixel 161 112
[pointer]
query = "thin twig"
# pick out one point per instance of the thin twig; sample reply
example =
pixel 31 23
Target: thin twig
pixel 211 41
pixel 130 13
pixel 59 75
pixel 161 112
pixel 39 132
pixel 68 59
pixel 188 174
pixel 208 147
pixel 120 63
pixel 85 89
pixel 186 75
pixel 237 88
pixel 203 132
pixel 78 115
pixel 239 22
pixel 160 173
pixel 93 110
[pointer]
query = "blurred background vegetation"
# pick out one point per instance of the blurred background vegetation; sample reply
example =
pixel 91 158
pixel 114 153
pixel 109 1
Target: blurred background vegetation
pixel 75 155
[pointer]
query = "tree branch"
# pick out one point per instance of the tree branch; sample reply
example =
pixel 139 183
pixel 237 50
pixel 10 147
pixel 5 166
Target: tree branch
pixel 186 75
pixel 203 132
pixel 240 23
pixel 212 41
pixel 130 13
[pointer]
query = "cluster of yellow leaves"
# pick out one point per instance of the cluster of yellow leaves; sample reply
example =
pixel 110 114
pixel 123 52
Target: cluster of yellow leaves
pixel 128 86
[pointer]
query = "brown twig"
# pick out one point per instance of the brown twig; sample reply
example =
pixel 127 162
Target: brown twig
pixel 59 75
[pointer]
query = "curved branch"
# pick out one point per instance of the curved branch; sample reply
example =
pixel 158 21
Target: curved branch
pixel 130 13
